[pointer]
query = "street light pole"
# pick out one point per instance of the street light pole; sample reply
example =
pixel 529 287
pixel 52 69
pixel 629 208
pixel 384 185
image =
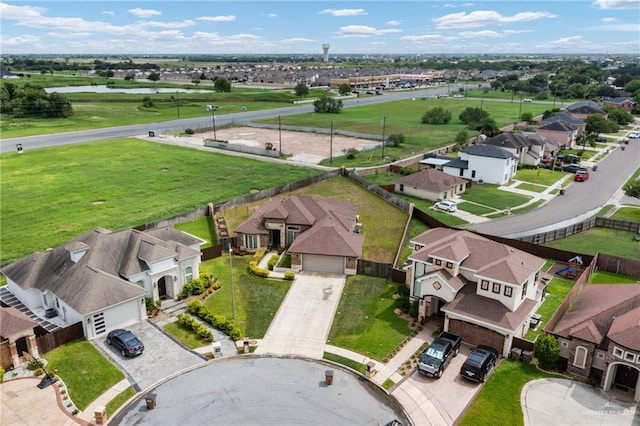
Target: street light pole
pixel 213 118
pixel 279 135
pixel 331 145
pixel 233 301
pixel 384 122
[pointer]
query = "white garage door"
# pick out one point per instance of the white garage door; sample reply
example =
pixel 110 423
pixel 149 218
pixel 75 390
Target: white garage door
pixel 317 263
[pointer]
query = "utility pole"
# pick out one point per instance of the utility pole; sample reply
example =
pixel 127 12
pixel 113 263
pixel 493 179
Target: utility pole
pixel 178 104
pixel 233 301
pixel 280 135
pixel 384 123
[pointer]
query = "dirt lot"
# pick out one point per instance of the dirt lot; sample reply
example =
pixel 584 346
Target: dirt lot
pixel 301 146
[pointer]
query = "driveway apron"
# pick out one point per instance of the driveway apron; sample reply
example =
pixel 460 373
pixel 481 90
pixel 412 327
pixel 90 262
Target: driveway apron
pixel 302 323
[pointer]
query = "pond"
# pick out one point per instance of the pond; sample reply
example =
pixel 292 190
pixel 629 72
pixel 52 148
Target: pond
pixel 135 91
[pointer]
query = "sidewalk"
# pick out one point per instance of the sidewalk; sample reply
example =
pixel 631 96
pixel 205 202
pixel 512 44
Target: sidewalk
pixel 88 414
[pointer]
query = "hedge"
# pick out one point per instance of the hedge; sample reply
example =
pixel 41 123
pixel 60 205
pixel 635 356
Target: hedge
pixel 189 323
pixel 220 322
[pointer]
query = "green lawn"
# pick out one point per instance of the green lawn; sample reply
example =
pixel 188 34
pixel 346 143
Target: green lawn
pixel 490 195
pixel 52 195
pixel 557 291
pixel 539 176
pixel 605 240
pixel 256 299
pixel 627 213
pixel 119 400
pixel 85 371
pixel 184 336
pixel 601 277
pixel 531 187
pixel 498 402
pixel 364 321
pixel 354 365
pixel 201 228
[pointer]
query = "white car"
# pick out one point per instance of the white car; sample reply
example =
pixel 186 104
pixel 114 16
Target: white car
pixel 458 96
pixel 527 100
pixel 449 206
pixel 634 135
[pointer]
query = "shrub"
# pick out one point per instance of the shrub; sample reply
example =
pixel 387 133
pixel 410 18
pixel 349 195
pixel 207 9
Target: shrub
pixel 273 260
pixel 147 102
pixel 38 372
pixel 289 275
pixel 547 351
pixel 33 365
pixel 437 115
pixel 405 171
pixel 189 131
pixel 217 321
pixel 148 301
pixel 257 271
pixel 1 374
pixel 395 139
pixel 350 153
pixel 258 255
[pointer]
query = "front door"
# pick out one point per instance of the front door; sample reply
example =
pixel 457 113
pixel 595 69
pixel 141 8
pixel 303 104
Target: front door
pixel 626 377
pixel 275 238
pixel 162 287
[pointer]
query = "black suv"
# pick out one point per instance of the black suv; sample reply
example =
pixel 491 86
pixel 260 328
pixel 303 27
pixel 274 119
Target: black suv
pixel 479 364
pixel 128 344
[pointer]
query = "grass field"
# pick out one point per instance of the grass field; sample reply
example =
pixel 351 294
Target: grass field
pixel 201 228
pixel 604 240
pixel 49 196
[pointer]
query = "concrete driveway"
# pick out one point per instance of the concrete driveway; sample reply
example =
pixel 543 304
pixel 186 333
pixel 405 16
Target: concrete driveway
pixel 302 323
pixel 161 358
pixel 450 394
pixel 562 402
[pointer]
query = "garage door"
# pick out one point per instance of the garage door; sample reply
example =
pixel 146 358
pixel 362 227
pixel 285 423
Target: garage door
pixel 474 334
pixel 317 263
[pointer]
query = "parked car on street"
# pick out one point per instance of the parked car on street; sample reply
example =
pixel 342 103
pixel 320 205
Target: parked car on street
pixel 527 100
pixel 449 206
pixel 572 168
pixel 126 342
pixel 458 96
pixel 437 356
pixel 581 176
pixel 634 135
pixel 479 364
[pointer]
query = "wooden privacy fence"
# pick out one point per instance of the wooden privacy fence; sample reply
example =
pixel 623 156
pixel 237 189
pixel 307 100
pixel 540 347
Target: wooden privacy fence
pixel 49 341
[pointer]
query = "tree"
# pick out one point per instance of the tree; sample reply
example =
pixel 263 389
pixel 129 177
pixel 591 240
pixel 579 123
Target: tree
pixel 632 189
pixel 344 89
pixel 619 115
pixel 196 81
pixel 395 139
pixel 326 104
pixel 596 123
pixel 527 116
pixel 221 85
pixel 487 126
pixel 547 351
pixel 154 76
pixel 58 106
pixel 462 137
pixel 472 115
pixel 437 115
pixel 301 90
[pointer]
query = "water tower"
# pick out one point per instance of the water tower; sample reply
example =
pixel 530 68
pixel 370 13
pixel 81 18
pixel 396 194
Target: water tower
pixel 325 47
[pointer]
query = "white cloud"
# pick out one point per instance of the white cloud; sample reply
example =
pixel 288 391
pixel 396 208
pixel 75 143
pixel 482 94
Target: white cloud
pixel 144 13
pixel 176 24
pixel 19 13
pixel 221 18
pixel 481 18
pixel 343 12
pixel 393 22
pixel 364 31
pixel 297 40
pixel 108 12
pixel 427 37
pixel 481 34
pixel 25 40
pixel 271 15
pixel 609 20
pixel 617 4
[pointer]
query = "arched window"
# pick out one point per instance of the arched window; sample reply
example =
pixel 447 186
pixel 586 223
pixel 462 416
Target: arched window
pixel 580 358
pixel 188 274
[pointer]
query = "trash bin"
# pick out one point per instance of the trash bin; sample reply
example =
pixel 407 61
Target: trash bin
pixel 562 191
pixel 515 354
pixel 594 168
pixel 152 134
pixel 527 356
pixel 150 398
pixel 328 377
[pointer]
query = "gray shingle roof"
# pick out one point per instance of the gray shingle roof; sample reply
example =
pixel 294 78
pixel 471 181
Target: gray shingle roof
pixel 483 150
pixel 563 116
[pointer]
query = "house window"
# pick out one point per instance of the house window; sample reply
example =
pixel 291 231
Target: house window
pixel 401 188
pixel 473 174
pixel 600 355
pixel 617 352
pixel 419 269
pixel 438 262
pixel 564 344
pixel 461 172
pixel 537 276
pixel 461 188
pixel 580 358
pixel 188 274
pixel 449 265
pixel 484 285
pixel 251 241
pixel 508 291
pixel 629 356
pixel 292 233
pixel 140 283
pixel 496 288
pixel 524 289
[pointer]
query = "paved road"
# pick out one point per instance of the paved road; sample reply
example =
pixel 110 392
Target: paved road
pixel 581 199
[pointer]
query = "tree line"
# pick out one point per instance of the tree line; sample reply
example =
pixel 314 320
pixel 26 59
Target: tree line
pixel 31 100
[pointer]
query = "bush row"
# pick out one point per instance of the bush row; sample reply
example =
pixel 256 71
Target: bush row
pixel 189 323
pixel 254 269
pixel 199 285
pixel 273 260
pixel 197 307
pixel 289 275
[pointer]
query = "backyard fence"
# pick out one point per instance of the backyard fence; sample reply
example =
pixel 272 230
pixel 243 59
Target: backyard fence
pixel 51 340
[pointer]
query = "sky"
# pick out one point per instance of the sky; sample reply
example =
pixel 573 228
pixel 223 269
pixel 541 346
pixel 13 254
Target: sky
pixel 301 27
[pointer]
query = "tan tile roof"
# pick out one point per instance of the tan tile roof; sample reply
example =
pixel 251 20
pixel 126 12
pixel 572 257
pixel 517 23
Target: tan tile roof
pixel 595 311
pixel 12 322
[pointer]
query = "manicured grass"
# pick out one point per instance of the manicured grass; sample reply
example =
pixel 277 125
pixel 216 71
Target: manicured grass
pixel 474 208
pixel 388 384
pixel 382 222
pixel 490 195
pixel 557 291
pixel 539 176
pixel 354 365
pixel 121 398
pixel 184 336
pixel 85 371
pixel 364 321
pixel 528 207
pixel 52 195
pixel 498 402
pixel 601 277
pixel 627 213
pixel 201 228
pixel 605 240
pixel 256 299
pixel 603 211
pixel 531 187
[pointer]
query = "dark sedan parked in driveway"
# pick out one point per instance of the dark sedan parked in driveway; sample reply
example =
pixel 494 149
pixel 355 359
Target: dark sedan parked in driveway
pixel 572 168
pixel 126 342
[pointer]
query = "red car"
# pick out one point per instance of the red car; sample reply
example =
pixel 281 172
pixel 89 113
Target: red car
pixel 581 176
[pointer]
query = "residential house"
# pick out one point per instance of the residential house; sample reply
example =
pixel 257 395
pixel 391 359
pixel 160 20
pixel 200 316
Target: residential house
pixel 483 163
pixel 17 336
pixel 321 235
pixel 562 128
pixel 625 102
pixel 433 161
pixel 528 147
pixel 599 336
pixel 583 109
pixel 486 290
pixel 102 278
pixel 430 184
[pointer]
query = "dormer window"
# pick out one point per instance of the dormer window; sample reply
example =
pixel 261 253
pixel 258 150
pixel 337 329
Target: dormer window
pixel 496 288
pixel 438 262
pixel 508 290
pixel 449 265
pixel 484 285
